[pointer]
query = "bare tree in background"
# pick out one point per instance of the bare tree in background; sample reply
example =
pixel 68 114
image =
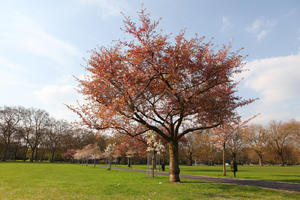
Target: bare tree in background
pixel 34 122
pixel 55 131
pixel 281 137
pixel 9 121
pixel 257 138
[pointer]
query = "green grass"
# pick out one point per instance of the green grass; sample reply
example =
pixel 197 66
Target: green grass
pixel 66 181
pixel 272 173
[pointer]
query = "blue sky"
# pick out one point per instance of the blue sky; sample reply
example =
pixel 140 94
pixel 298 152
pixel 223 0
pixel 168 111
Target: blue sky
pixel 43 43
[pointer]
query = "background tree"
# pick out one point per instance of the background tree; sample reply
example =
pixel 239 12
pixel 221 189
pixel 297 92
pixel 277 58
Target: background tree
pixel 79 156
pixel 281 136
pixel 109 151
pixel 235 146
pixel 151 83
pixel 135 146
pixel 101 141
pixel 257 138
pixel 55 130
pixel 34 123
pixel 220 139
pixel 207 151
pixel 189 145
pixel 229 132
pixel 94 152
pixel 9 121
pixel 69 154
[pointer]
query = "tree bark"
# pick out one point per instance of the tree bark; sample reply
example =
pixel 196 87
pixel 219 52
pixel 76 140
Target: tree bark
pixel 32 155
pixel 5 153
pixel 190 158
pixel 260 160
pixel 174 162
pixel 109 163
pixel 234 165
pixel 153 163
pixel 129 163
pixel 282 159
pixel 15 152
pixel 42 153
pixel 25 154
pixel 36 154
pixel 224 165
pixel 52 156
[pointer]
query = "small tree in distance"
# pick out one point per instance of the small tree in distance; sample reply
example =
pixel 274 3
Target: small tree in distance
pixel 172 87
pixel 69 155
pixel 110 149
pixel 257 138
pixel 154 147
pixel 229 132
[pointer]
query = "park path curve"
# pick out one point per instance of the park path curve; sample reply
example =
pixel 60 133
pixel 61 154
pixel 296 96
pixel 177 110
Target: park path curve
pixel 293 187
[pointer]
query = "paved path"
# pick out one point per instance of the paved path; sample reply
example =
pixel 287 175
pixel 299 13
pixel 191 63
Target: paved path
pixel 293 187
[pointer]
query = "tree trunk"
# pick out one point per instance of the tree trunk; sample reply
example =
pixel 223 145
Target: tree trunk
pixel 174 162
pixel 129 162
pixel 5 153
pixel 153 163
pixel 32 155
pixel 52 156
pixel 25 154
pixel 15 152
pixel 234 165
pixel 109 163
pixel 155 154
pixel 282 159
pixel 224 165
pixel 36 154
pixel 42 155
pixel 260 160
pixel 190 158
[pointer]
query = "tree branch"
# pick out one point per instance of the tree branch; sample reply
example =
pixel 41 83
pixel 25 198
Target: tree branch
pixel 197 129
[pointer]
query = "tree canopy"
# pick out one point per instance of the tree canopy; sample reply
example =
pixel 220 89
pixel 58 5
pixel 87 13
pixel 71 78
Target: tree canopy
pixel 172 87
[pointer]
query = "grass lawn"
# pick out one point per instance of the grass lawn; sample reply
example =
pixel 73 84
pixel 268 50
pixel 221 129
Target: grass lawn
pixel 272 173
pixel 67 181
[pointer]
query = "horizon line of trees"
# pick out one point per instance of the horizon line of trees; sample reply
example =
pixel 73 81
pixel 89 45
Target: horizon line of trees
pixel 30 133
pixel 275 143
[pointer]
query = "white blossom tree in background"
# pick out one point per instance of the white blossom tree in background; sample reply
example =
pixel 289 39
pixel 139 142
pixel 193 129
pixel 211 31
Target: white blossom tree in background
pixel 154 147
pixel 95 153
pixel 110 149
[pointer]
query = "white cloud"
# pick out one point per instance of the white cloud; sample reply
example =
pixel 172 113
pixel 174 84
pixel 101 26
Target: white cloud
pixel 275 78
pixel 225 24
pixel 56 94
pixel 108 8
pixel 277 82
pixel 260 27
pixel 55 97
pixel 25 33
